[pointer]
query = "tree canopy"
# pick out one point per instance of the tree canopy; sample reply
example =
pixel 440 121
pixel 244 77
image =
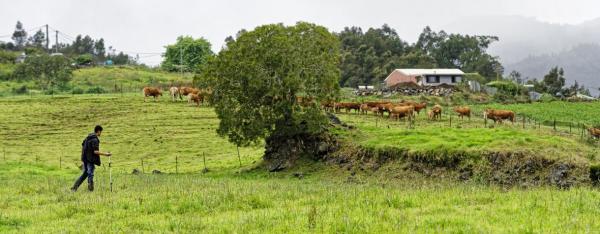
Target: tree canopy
pixel 194 52
pixel 259 75
pixel 47 71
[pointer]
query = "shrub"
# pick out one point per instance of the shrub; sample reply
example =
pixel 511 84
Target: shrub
pixel 50 92
pixel 77 90
pixel 96 89
pixel 21 90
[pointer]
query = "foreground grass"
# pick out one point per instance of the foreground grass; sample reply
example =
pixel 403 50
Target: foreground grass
pixel 34 198
pixel 38 201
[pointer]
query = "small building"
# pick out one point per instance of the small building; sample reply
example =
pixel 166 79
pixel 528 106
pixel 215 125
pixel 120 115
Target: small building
pixel 424 77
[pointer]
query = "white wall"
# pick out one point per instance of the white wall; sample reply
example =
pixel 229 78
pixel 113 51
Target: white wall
pixel 443 80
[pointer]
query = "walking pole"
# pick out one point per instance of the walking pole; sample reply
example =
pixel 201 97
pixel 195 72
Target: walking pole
pixel 110 172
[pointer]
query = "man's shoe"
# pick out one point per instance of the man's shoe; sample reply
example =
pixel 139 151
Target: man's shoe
pixel 91 186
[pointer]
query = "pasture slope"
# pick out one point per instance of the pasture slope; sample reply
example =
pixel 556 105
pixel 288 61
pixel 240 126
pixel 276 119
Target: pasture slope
pixel 41 136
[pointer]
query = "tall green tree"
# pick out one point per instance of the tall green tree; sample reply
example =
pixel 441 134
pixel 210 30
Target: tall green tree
pixel 260 74
pixel 465 52
pixel 552 83
pixel 38 39
pixel 19 36
pixel 99 49
pixel 187 53
pixel 45 70
pixel 367 58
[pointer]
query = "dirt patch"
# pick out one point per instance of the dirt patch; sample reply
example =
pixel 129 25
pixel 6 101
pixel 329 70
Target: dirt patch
pixel 282 152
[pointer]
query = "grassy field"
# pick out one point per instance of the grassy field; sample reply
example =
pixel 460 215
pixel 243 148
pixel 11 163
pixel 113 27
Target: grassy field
pixel 41 138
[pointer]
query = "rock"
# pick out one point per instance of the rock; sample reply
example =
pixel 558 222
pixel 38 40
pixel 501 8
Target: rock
pixel 156 172
pixel 136 171
pixel 205 170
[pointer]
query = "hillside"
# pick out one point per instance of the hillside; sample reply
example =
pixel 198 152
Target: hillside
pixel 109 79
pixel 581 64
pixel 532 47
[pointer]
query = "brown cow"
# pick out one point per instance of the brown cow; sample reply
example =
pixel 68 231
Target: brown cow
pixel 436 112
pixel 376 111
pixel 499 115
pixel 327 105
pixel 400 112
pixel 151 91
pixel 348 106
pixel 376 103
pixel 194 98
pixel 364 108
pixel 419 106
pixel 184 91
pixel 463 111
pixel 594 132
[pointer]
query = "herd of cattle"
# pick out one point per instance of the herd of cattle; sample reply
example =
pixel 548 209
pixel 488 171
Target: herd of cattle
pixel 409 109
pixel 193 95
pixel 399 110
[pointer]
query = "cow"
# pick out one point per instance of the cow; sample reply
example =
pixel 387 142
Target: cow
pixel 376 111
pixel 184 91
pixel 435 112
pixel 151 91
pixel 194 98
pixel 463 111
pixel 419 106
pixel 327 105
pixel 174 92
pixel 348 106
pixel 376 103
pixel 594 132
pixel 499 115
pixel 400 112
pixel 364 108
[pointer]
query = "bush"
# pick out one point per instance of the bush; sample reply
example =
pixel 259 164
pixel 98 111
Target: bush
pixel 50 92
pixel 96 90
pixel 77 90
pixel 21 90
pixel 547 98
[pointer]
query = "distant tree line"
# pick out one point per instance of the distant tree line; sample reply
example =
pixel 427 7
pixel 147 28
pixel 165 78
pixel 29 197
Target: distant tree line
pixel 368 57
pixel 84 50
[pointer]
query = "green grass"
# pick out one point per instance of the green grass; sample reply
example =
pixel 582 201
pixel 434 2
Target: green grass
pixel 467 137
pixel 129 78
pixel 34 196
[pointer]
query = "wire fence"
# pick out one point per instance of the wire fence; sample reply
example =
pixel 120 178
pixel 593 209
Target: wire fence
pixel 173 164
pixel 450 119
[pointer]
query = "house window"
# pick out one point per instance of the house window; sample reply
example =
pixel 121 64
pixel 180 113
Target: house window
pixel 433 79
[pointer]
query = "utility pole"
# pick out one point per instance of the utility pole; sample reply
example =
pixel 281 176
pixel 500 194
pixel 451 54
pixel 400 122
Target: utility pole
pixel 56 41
pixel 181 61
pixel 47 39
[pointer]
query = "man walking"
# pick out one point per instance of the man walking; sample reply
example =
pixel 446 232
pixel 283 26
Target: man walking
pixel 90 156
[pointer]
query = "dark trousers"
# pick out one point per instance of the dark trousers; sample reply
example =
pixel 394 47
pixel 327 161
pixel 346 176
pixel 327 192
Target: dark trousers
pixel 88 172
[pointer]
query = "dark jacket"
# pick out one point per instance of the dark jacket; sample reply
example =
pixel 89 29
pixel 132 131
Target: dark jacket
pixel 88 146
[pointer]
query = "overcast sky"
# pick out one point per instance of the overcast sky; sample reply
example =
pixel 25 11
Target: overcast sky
pixel 146 26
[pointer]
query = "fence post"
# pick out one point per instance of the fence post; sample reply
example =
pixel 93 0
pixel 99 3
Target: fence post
pixel 450 120
pixel 570 123
pixel 554 124
pixel 60 162
pixel 239 158
pixel 204 159
pixel 176 165
pixel 4 149
pixel 142 165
